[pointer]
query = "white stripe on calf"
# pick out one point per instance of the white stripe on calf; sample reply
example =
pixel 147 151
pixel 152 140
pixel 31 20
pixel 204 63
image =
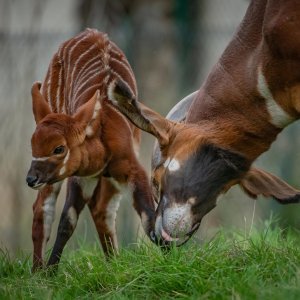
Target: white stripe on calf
pixel 76 64
pixel 77 94
pixel 84 69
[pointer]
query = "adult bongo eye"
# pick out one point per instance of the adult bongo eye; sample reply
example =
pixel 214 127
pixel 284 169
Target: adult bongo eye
pixel 59 150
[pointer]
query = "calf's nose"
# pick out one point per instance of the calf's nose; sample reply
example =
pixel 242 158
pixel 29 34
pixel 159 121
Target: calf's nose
pixel 31 180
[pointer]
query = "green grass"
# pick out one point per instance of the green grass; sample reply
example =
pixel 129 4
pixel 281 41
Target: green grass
pixel 264 265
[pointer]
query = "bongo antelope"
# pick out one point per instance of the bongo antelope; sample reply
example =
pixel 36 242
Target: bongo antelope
pixel 80 136
pixel 210 139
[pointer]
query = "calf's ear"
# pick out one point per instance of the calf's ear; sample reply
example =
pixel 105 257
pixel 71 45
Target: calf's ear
pixel 259 182
pixel 40 106
pixel 88 111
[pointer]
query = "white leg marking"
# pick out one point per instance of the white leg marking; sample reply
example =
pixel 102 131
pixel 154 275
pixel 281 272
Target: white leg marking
pixel 279 117
pixel 72 216
pixel 49 214
pixel 63 168
pixel 111 213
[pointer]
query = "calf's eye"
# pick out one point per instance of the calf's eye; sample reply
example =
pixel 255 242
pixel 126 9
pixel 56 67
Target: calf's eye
pixel 59 150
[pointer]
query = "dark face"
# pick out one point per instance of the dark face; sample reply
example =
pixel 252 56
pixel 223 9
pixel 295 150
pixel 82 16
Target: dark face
pixel 189 189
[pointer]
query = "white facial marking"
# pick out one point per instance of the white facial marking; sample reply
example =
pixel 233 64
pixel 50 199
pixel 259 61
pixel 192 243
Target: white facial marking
pixel 174 165
pixel 40 158
pixel 63 168
pixel 177 220
pixel 72 216
pixel 279 117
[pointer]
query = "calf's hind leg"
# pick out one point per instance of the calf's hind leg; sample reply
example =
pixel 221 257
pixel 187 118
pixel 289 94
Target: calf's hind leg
pixel 103 207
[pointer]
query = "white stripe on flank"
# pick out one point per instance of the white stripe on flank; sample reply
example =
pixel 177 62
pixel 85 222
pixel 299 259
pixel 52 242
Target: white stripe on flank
pixel 75 67
pixel 70 52
pixel 85 68
pixel 84 79
pixel 279 117
pixel 90 87
pixel 58 92
pixel 59 84
pixel 77 94
pixel 49 85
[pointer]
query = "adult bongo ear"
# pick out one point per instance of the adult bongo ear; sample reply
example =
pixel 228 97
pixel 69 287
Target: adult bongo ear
pixel 259 182
pixel 40 106
pixel 89 110
pixel 140 115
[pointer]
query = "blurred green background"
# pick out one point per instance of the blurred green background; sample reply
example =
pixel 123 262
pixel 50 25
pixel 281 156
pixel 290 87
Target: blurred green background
pixel 171 46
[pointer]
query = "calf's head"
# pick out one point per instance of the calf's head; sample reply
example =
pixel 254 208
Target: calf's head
pixel 190 170
pixel 57 139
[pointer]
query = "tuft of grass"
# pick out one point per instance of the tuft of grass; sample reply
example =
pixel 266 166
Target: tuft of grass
pixel 264 265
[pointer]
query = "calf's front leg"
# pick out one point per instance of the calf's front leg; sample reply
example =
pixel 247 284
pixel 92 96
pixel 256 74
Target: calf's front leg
pixel 74 204
pixel 43 217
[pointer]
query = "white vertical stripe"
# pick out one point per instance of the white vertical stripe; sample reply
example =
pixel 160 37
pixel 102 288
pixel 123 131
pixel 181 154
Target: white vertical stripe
pixel 49 85
pixel 84 79
pixel 76 64
pixel 58 91
pixel 77 94
pixel 95 66
pixel 279 117
pixel 86 90
pixel 70 52
pixel 85 68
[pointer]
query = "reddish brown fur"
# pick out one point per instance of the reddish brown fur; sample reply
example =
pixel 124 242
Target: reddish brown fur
pixel 72 113
pixel 250 95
